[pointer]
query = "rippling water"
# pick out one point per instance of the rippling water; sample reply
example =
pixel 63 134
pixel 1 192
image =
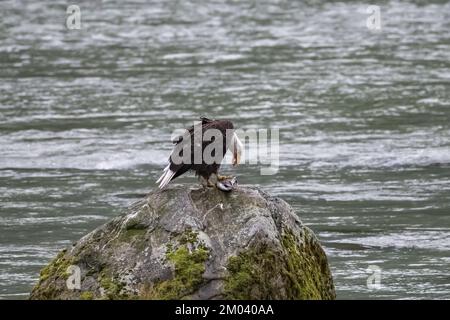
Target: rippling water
pixel 364 120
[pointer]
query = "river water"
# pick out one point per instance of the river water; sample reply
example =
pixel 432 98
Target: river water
pixel 364 119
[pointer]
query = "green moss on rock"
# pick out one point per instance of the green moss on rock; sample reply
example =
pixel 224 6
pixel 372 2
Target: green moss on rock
pixel 267 272
pixel 305 269
pixel 57 267
pixel 87 295
pixel 189 265
pixel 134 236
pixel 252 273
pixel 112 287
pixel 131 234
pixel 54 272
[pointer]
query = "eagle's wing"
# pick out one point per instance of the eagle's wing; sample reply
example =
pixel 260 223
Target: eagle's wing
pixel 172 170
pixel 205 120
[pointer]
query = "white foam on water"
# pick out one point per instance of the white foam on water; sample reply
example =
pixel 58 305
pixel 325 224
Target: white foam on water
pixel 421 239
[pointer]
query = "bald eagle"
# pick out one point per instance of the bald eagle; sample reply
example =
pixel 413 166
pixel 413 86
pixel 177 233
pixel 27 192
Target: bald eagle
pixel 201 149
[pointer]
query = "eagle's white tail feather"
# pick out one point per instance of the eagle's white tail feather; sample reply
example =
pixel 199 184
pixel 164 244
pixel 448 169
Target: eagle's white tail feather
pixel 165 178
pixel 160 178
pixel 164 172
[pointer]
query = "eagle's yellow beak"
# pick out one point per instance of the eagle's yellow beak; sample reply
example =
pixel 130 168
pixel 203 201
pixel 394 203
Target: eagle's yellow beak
pixel 236 146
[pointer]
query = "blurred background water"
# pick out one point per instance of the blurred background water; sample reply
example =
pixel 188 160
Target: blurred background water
pixel 86 117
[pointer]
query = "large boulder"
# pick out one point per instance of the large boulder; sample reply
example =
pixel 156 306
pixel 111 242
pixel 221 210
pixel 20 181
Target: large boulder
pixel 196 243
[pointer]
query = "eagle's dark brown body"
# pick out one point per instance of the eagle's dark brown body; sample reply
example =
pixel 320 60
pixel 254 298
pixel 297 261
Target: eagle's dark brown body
pixel 203 169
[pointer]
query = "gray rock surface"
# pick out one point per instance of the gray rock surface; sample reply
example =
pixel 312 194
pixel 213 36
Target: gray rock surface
pixel 195 243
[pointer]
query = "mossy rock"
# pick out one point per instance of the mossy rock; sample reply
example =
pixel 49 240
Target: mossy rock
pixel 182 243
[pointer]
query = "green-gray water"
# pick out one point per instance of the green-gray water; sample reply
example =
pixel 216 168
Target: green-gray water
pixel 86 117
